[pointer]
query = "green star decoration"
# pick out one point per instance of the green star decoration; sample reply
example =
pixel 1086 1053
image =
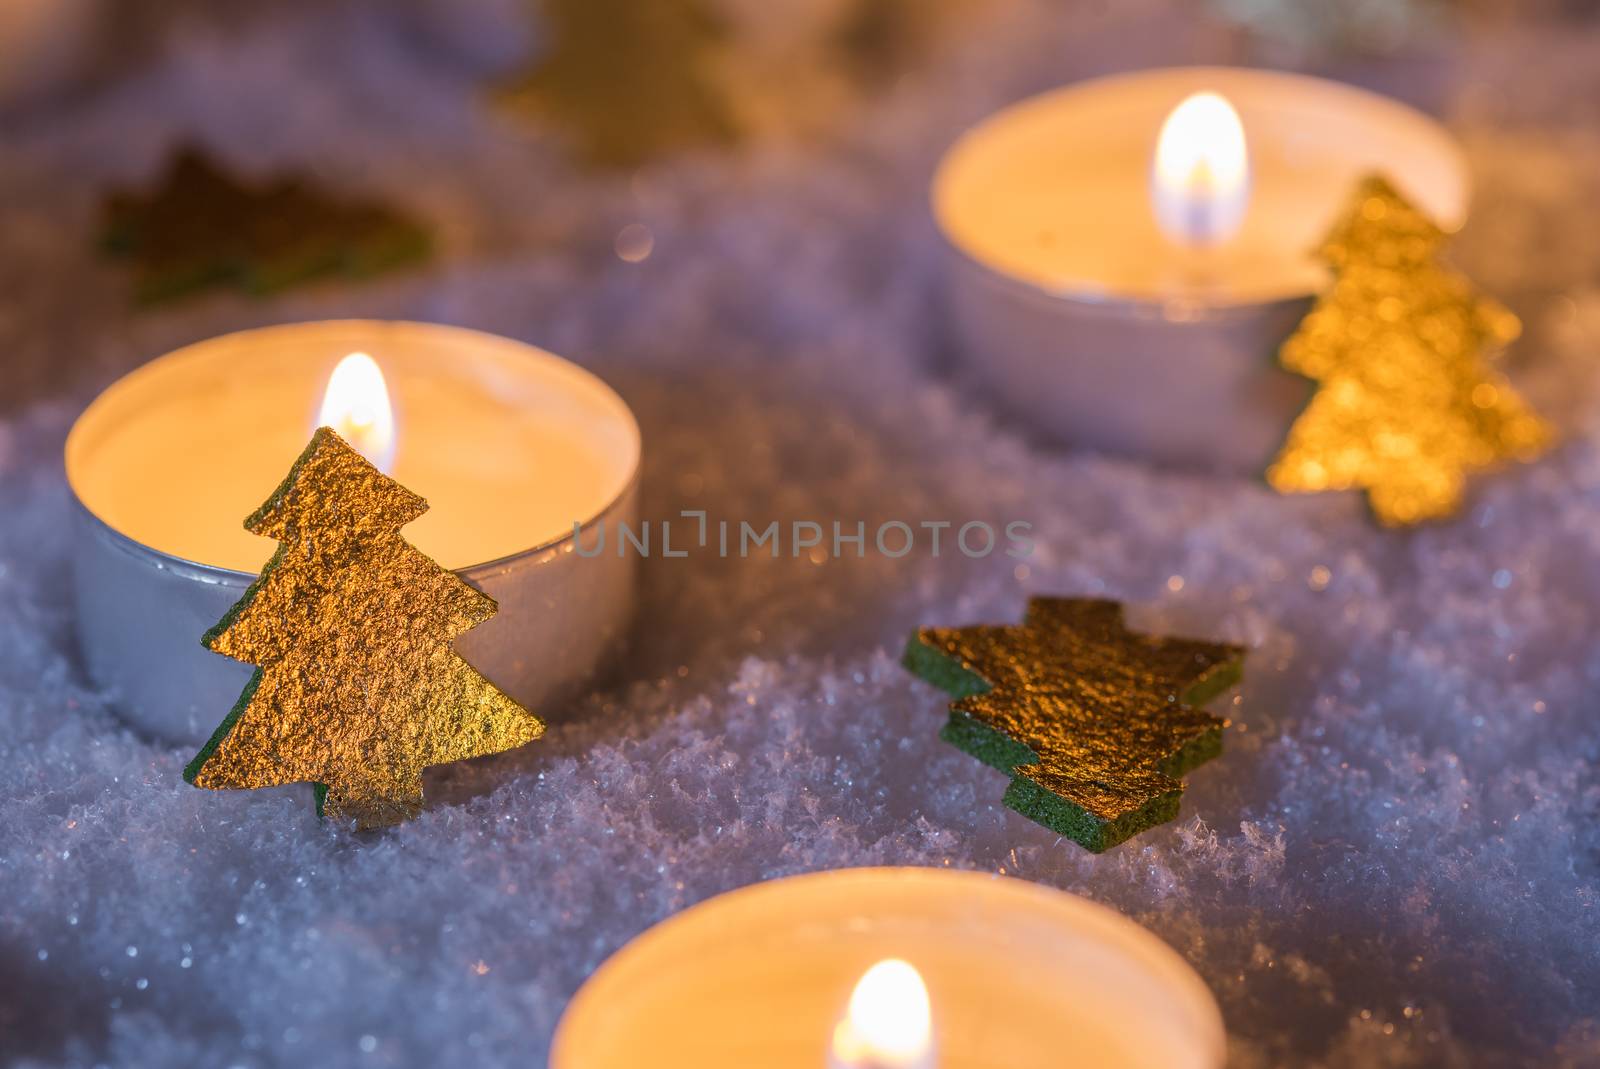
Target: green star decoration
pixel 1093 722
pixel 201 227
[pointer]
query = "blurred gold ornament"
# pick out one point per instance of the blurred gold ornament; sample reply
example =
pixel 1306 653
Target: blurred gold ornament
pixel 357 687
pixel 627 81
pixel 1407 404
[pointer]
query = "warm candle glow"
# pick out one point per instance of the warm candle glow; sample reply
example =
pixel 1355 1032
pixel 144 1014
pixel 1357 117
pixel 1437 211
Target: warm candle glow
pixel 356 404
pixel 889 1023
pixel 1200 178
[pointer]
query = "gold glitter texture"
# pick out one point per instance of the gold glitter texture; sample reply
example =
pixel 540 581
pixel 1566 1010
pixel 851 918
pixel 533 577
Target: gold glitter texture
pixel 1094 722
pixel 1407 405
pixel 357 687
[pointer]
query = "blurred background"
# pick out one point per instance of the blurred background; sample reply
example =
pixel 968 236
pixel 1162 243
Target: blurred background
pixel 601 135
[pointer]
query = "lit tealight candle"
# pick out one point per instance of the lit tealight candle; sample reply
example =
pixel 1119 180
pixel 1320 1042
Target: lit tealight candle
pixel 888 1023
pixel 1007 974
pixel 356 405
pixel 1128 253
pixel 1200 176
pixel 509 445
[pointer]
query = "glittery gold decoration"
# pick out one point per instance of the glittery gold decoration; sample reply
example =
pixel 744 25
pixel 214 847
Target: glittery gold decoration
pixel 357 687
pixel 628 81
pixel 1407 405
pixel 1093 722
pixel 202 227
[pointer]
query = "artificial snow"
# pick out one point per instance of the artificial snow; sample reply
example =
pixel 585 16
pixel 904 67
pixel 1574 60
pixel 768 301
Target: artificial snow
pixel 1395 862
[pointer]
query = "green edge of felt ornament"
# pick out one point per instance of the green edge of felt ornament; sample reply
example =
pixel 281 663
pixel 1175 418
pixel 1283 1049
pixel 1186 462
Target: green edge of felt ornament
pixel 192 770
pixel 1004 754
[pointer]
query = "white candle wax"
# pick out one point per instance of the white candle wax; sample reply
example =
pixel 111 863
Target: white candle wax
pixel 509 445
pixel 1016 974
pixel 1083 315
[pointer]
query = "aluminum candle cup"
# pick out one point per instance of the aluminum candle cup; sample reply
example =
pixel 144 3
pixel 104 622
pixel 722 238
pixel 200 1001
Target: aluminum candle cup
pixel 1109 299
pixel 509 445
pixel 1013 974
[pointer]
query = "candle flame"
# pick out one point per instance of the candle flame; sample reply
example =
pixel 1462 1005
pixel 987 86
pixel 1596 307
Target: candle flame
pixel 1200 178
pixel 356 404
pixel 889 1022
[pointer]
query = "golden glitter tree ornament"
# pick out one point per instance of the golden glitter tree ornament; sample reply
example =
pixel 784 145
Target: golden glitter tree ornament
pixel 1093 722
pixel 1407 405
pixel 357 687
pixel 629 81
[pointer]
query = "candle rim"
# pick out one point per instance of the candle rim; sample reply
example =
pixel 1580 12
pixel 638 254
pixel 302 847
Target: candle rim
pixel 81 427
pixel 588 1013
pixel 1116 305
pixel 1192 78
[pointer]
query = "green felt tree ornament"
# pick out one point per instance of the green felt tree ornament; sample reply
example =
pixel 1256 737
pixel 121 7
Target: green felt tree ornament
pixel 1093 722
pixel 358 686
pixel 199 226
